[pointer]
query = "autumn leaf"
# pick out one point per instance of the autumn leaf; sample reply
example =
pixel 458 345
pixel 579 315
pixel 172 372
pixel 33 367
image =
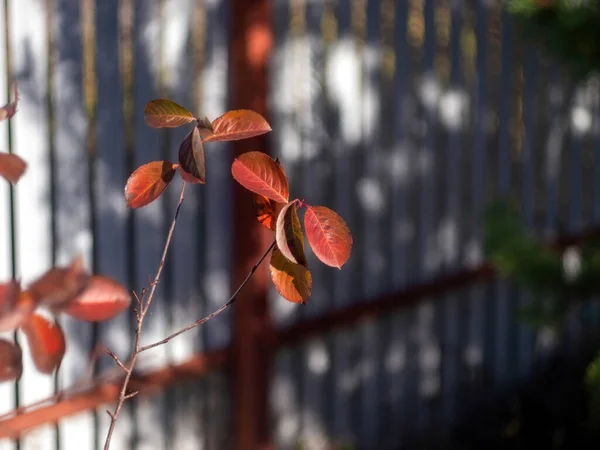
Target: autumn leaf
pixel 147 183
pixel 238 124
pixel 60 285
pixel 288 235
pixel 11 361
pixel 292 281
pixel 205 127
pixel 328 235
pixel 191 158
pixel 46 342
pixel 267 211
pixel 12 167
pixel 9 110
pixel 15 306
pixel 102 299
pixel 259 173
pixel 164 113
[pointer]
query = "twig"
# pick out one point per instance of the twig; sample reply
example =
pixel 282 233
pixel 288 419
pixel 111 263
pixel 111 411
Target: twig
pixel 140 315
pixel 215 313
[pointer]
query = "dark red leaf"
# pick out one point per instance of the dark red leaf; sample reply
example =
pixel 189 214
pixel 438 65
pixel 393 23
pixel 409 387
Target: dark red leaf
pixel 288 235
pixel 236 125
pixel 46 342
pixel 164 113
pixel 12 167
pixel 9 110
pixel 328 235
pixel 60 285
pixel 11 361
pixel 293 281
pixel 267 211
pixel 191 158
pixel 15 306
pixel 147 183
pixel 257 172
pixel 102 300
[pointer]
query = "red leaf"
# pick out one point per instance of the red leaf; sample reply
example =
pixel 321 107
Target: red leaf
pixel 12 167
pixel 10 109
pixel 267 211
pixel 293 281
pixel 164 113
pixel 46 342
pixel 11 361
pixel 257 172
pixel 328 235
pixel 15 306
pixel 288 235
pixel 236 125
pixel 102 300
pixel 147 183
pixel 191 158
pixel 60 285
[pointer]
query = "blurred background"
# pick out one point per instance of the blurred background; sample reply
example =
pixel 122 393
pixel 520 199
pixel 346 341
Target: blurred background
pixel 460 141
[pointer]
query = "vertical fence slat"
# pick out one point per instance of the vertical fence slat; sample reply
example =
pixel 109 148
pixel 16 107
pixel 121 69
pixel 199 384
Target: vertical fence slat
pixel 29 53
pixel 71 203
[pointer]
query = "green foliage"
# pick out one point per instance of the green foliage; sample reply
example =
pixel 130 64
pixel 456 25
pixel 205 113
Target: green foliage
pixel 568 29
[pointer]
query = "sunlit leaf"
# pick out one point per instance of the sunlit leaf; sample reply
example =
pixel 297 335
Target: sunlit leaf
pixel 267 211
pixel 191 158
pixel 290 240
pixel 11 361
pixel 164 113
pixel 257 172
pixel 15 306
pixel 238 124
pixel 10 109
pixel 102 299
pixel 147 183
pixel 328 235
pixel 60 285
pixel 12 167
pixel 292 281
pixel 46 342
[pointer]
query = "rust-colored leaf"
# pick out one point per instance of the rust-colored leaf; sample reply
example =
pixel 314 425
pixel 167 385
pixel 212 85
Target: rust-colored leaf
pixel 60 285
pixel 267 211
pixel 238 124
pixel 328 235
pixel 102 299
pixel 12 167
pixel 164 113
pixel 11 361
pixel 10 109
pixel 46 342
pixel 15 306
pixel 147 183
pixel 205 127
pixel 191 158
pixel 257 172
pixel 288 234
pixel 293 281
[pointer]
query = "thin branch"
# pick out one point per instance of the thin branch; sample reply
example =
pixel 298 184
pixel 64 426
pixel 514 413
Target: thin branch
pixel 141 314
pixel 229 302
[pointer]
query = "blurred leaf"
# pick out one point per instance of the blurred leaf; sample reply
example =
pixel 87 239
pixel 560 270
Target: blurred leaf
pixel 292 281
pixel 46 342
pixel 288 235
pixel 258 173
pixel 328 235
pixel 102 299
pixel 11 361
pixel 9 110
pixel 191 158
pixel 148 182
pixel 12 167
pixel 236 125
pixel 60 285
pixel 15 306
pixel 164 113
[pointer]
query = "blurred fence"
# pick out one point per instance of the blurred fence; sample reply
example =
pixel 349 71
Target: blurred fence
pixel 404 116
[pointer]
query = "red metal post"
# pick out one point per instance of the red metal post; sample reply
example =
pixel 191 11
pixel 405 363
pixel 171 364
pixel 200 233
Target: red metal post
pixel 251 43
